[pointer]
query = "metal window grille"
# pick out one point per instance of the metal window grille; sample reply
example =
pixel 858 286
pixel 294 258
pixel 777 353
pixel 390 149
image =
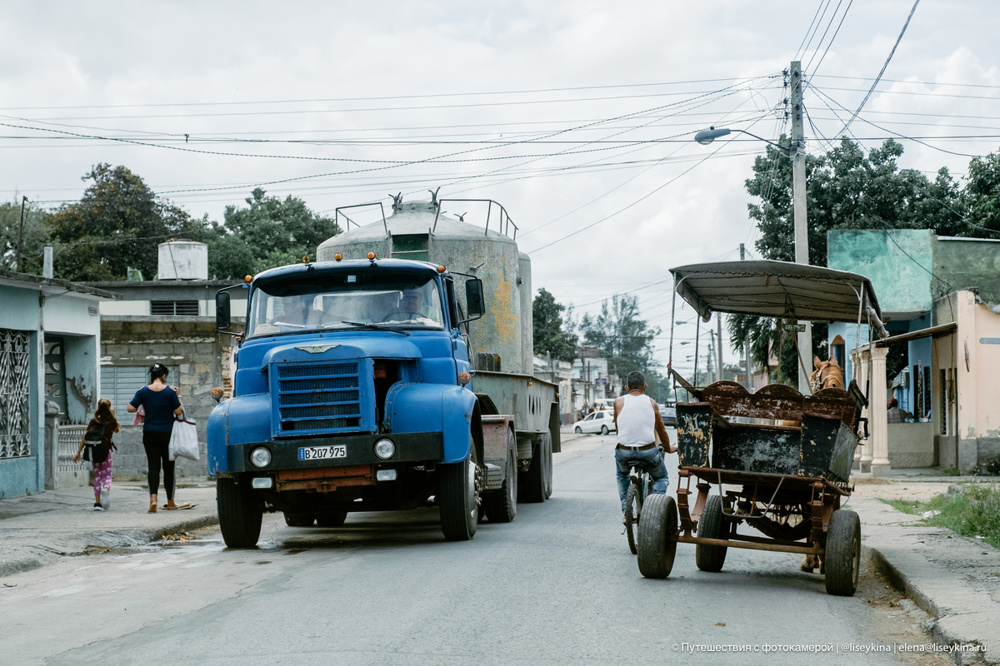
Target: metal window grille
pixel 15 359
pixel 120 382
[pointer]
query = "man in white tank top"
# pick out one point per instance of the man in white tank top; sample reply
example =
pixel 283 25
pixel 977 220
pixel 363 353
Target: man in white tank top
pixel 638 422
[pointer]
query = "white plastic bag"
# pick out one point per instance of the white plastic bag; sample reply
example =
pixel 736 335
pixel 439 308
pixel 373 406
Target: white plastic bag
pixel 184 439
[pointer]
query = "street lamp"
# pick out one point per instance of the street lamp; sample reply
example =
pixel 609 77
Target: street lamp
pixel 796 152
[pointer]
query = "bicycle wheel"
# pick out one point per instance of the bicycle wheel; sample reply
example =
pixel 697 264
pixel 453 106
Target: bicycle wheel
pixel 632 512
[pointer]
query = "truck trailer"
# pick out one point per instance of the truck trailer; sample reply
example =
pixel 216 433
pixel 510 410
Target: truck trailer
pixel 394 372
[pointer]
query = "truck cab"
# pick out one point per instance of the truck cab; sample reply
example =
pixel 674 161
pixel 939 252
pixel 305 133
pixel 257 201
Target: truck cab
pixel 351 393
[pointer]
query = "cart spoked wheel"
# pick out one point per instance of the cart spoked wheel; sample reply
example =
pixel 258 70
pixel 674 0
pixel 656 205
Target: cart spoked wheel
pixel 843 553
pixel 712 525
pixel 657 536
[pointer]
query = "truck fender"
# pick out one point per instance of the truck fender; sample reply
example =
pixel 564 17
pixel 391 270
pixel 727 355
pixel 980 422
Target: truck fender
pixel 217 434
pixel 450 410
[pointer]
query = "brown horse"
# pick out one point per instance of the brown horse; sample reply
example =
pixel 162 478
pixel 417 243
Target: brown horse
pixel 828 374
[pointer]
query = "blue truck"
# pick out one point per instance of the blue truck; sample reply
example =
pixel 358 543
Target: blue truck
pixel 381 377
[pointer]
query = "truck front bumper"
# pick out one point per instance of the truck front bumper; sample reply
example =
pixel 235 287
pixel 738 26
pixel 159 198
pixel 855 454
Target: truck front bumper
pixel 411 448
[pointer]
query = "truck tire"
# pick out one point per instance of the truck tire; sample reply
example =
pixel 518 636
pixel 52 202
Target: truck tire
pixel 331 518
pixel 536 481
pixel 299 519
pixel 657 536
pixel 457 497
pixel 843 553
pixel 711 526
pixel 501 505
pixel 240 515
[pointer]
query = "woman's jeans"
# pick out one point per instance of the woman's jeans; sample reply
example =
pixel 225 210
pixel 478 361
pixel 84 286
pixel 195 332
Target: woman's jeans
pixel 650 460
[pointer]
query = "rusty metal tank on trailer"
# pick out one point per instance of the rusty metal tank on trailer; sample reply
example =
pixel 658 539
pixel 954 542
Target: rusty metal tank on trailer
pixel 502 340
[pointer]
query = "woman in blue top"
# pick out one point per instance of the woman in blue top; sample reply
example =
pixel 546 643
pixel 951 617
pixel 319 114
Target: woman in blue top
pixel 160 403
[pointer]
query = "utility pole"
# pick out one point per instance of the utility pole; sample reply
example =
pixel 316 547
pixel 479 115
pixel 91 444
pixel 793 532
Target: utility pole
pixel 20 236
pixel 718 347
pixel 746 345
pixel 798 154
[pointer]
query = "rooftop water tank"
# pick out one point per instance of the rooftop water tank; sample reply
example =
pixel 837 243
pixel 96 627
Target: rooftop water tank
pixel 182 260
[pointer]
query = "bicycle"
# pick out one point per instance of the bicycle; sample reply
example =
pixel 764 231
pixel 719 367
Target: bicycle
pixel 639 486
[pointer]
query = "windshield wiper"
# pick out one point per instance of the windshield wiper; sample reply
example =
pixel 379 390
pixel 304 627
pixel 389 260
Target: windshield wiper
pixel 374 327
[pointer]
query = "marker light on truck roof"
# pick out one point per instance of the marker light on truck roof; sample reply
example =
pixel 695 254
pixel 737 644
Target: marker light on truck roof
pixel 248 279
pixel 440 269
pixel 338 256
pixel 371 255
pixel 464 378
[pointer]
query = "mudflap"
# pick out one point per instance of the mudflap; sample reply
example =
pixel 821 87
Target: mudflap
pixel 495 427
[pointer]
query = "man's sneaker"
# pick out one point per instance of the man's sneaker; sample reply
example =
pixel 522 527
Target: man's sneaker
pixel 106 498
pixel 98 507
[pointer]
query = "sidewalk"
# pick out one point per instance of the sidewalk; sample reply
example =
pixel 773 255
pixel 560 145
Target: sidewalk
pixel 39 529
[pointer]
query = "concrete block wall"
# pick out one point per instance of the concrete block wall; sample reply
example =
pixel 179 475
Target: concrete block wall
pixel 192 345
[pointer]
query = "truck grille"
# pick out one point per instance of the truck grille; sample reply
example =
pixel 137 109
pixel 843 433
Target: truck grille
pixel 318 398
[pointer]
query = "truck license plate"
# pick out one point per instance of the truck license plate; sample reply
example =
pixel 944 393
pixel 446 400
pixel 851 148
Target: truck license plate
pixel 323 452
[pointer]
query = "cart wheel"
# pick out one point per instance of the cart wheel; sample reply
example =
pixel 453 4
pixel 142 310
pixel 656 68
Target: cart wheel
pixel 711 526
pixel 632 513
pixel 843 553
pixel 657 536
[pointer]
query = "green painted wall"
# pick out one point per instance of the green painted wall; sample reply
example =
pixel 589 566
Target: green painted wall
pixel 965 263
pixel 898 263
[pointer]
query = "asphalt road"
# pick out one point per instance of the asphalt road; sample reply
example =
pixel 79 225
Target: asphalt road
pixel 558 585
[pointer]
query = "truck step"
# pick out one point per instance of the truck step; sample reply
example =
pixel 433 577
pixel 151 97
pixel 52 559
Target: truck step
pixel 494 477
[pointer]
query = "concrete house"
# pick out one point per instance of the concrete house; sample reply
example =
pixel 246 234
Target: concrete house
pixel 941 297
pixel 170 320
pixel 50 340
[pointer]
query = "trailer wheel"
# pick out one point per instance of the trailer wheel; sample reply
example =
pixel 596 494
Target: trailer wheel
pixel 536 481
pixel 843 553
pixel 657 536
pixel 240 514
pixel 457 497
pixel 501 505
pixel 299 519
pixel 331 518
pixel 711 526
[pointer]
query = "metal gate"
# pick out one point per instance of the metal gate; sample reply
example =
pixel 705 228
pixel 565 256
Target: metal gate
pixel 15 428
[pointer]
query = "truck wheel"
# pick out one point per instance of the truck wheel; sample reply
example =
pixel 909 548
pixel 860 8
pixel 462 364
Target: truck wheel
pixel 331 518
pixel 299 519
pixel 501 505
pixel 711 526
pixel 240 515
pixel 457 497
pixel 536 481
pixel 843 553
pixel 657 536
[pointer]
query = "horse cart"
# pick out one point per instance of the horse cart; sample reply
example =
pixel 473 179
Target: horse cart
pixel 774 460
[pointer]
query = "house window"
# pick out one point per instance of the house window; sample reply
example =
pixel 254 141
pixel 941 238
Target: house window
pixel 174 308
pixel 120 382
pixel 15 361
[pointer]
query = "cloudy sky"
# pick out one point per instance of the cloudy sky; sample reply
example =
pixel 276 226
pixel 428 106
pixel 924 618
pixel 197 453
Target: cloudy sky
pixel 576 115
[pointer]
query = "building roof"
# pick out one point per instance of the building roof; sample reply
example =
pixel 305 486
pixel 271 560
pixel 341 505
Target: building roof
pixel 52 286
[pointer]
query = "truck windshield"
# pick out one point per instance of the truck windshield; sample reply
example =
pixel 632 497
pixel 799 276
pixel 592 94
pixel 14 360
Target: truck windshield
pixel 346 301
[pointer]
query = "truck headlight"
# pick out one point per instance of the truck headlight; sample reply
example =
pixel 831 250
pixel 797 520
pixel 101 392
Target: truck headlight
pixel 385 449
pixel 260 457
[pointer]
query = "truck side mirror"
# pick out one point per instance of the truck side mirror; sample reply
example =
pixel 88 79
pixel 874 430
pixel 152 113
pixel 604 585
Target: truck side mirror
pixel 474 299
pixel 223 315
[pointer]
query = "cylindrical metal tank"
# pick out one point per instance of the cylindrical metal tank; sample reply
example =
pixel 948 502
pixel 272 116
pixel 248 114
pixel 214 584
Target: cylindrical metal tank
pixel 182 260
pixel 410 233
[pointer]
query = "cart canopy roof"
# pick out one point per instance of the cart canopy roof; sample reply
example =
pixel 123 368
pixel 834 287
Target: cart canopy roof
pixel 776 289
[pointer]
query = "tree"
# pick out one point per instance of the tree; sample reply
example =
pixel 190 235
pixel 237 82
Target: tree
pixel 982 195
pixel 270 232
pixel 116 225
pixel 34 236
pixel 624 339
pixel 547 326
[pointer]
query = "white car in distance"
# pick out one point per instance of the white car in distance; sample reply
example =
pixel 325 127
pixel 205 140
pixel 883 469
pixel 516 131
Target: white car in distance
pixel 601 422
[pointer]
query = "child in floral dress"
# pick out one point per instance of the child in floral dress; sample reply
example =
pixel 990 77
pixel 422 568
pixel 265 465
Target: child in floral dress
pixel 103 417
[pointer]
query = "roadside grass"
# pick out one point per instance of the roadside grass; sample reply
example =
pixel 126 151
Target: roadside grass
pixel 974 512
